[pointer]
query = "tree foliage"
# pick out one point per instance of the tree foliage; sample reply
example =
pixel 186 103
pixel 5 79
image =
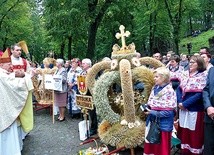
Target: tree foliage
pixel 14 22
pixel 87 28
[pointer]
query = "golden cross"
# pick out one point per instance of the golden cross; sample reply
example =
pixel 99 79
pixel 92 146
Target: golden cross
pixel 122 35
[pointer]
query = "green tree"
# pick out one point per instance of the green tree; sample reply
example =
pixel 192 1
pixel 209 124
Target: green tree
pixel 208 13
pixel 15 23
pixel 96 11
pixel 120 13
pixel 65 22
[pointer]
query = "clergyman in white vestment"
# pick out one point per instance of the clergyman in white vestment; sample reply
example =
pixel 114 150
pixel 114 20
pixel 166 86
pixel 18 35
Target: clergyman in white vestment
pixel 14 93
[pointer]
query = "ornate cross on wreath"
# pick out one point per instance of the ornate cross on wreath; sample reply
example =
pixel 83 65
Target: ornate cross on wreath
pixel 122 35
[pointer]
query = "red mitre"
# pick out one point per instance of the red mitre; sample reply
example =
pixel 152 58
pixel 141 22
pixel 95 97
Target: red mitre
pixel 5 58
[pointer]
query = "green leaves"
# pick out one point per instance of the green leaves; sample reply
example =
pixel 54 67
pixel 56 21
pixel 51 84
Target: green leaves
pixel 88 27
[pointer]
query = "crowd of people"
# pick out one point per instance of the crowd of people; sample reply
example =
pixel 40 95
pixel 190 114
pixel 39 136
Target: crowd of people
pixel 183 91
pixel 190 77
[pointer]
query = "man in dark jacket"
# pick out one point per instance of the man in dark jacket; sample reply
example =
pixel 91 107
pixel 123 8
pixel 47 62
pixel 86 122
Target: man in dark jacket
pixel 208 98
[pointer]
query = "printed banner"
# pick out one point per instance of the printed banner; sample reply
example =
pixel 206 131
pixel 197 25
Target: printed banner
pixel 84 101
pixel 57 82
pixel 48 81
pixel 81 83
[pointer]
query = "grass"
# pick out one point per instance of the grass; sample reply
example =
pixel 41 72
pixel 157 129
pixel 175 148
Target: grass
pixel 197 42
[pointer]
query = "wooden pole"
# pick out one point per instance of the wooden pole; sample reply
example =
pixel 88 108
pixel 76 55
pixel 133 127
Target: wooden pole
pixel 132 151
pixel 89 140
pixel 53 106
pixel 86 121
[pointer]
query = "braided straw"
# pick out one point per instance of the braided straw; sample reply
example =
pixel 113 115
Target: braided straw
pixel 110 130
pixel 118 135
pixel 145 75
pixel 127 89
pixel 151 61
pixel 90 77
pixel 119 57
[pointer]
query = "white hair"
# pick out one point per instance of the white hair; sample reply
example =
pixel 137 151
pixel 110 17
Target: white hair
pixel 106 59
pixel 164 72
pixel 60 61
pixel 87 61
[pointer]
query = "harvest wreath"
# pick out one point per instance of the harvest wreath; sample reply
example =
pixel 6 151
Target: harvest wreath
pixel 125 69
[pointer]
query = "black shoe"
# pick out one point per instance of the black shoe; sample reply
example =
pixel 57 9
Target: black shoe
pixel 61 120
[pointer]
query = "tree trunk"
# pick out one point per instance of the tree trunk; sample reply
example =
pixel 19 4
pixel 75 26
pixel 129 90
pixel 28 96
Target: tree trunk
pixel 151 36
pixel 5 14
pixel 69 47
pixel 211 45
pixel 91 40
pixel 92 31
pixel 152 29
pixel 190 25
pixel 176 40
pixel 62 48
pixel 154 19
pixel 176 23
pixel 208 20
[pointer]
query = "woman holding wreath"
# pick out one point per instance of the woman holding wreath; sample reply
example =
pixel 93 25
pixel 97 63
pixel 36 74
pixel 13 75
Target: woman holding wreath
pixel 162 102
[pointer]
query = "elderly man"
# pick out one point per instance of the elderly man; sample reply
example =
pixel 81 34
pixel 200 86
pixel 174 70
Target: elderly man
pixel 157 56
pixel 204 53
pixel 14 110
pixel 86 65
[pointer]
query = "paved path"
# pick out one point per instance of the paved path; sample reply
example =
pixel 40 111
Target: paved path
pixel 60 138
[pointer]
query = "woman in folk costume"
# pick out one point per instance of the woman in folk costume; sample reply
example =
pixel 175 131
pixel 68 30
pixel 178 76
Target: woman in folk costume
pixel 191 109
pixel 72 86
pixel 162 102
pixel 60 97
pixel 175 71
